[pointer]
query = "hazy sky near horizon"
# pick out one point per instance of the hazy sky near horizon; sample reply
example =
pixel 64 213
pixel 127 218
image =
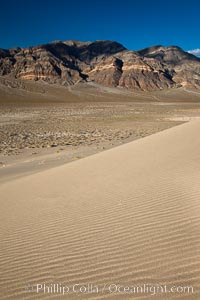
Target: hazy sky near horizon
pixel 135 24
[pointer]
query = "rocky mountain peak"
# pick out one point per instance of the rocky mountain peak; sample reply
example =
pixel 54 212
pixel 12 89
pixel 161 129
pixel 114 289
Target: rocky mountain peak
pixel 171 54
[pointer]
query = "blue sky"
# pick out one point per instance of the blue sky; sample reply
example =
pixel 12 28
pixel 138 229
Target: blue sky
pixel 135 24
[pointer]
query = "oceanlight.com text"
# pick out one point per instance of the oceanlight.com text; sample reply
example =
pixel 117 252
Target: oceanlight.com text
pixel 107 288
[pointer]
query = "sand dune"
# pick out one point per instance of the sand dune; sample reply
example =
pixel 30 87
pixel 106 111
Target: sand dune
pixel 128 216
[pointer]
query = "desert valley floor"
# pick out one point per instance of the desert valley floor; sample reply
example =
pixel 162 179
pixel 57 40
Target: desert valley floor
pixel 43 126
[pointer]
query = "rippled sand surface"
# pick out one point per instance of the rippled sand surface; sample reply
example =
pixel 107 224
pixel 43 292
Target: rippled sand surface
pixel 128 216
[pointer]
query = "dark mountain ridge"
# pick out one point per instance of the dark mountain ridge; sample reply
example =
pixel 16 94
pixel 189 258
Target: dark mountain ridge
pixel 105 62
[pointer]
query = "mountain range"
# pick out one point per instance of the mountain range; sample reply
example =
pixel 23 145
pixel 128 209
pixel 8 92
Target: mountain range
pixel 105 62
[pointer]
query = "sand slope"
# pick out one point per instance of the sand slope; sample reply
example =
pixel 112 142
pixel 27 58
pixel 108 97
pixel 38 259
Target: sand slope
pixel 127 216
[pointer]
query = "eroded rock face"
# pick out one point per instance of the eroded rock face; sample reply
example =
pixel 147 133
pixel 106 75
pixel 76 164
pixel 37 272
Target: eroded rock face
pixel 135 73
pixel 183 67
pixel 108 72
pixel 105 62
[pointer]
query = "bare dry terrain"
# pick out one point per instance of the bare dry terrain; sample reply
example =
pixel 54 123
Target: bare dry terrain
pixel 45 125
